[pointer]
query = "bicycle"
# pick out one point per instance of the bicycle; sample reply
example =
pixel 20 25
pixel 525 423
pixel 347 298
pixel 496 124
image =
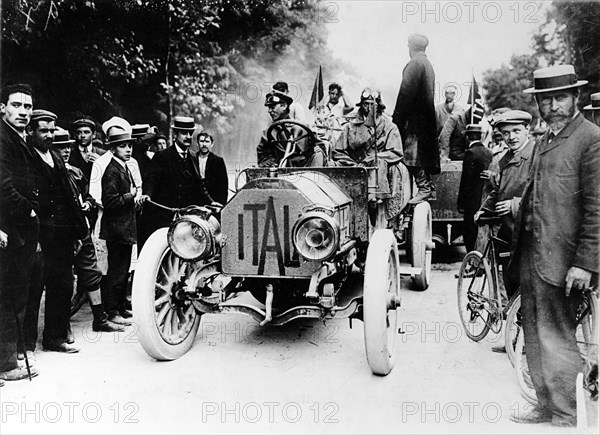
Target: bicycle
pixel 479 302
pixel 587 340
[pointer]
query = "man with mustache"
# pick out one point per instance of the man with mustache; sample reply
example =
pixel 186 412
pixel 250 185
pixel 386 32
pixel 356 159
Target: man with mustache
pixel 61 223
pixel 174 180
pixel 19 220
pixel 555 243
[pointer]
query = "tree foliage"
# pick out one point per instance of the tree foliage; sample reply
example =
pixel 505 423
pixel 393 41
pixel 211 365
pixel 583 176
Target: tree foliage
pixel 147 60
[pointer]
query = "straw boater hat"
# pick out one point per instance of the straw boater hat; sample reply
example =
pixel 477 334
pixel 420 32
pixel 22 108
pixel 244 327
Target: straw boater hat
pixel 139 130
pixel 554 78
pixel 62 138
pixel 184 123
pixel 118 131
pixel 116 121
pixel 595 102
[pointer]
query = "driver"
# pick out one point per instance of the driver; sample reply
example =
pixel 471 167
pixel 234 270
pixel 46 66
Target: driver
pixel 276 146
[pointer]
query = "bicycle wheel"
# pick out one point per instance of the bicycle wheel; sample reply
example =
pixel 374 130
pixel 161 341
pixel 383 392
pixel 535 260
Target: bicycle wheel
pixel 474 295
pixel 587 340
pixel 512 328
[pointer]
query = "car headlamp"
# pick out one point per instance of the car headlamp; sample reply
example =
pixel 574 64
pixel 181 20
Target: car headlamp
pixel 190 238
pixel 316 236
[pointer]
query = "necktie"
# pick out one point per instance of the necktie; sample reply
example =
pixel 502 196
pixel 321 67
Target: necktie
pixel 184 155
pixel 130 176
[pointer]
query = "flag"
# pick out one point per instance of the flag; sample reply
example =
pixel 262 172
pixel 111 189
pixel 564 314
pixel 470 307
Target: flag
pixel 318 92
pixel 476 103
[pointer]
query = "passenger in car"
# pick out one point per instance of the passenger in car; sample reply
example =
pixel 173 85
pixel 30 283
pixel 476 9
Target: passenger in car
pixel 356 147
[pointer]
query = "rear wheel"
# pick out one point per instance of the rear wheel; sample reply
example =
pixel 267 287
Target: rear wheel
pixel 474 295
pixel 167 321
pixel 512 328
pixel 421 243
pixel 380 294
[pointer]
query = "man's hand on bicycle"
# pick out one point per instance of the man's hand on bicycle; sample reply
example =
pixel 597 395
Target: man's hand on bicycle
pixel 577 278
pixel 503 207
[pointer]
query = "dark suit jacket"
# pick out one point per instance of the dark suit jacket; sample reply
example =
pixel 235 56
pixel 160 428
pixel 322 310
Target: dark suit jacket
pixel 415 115
pixel 477 159
pixel 513 176
pixel 215 177
pixel 174 184
pixel 78 227
pixel 565 186
pixel 19 194
pixel 76 159
pixel 118 221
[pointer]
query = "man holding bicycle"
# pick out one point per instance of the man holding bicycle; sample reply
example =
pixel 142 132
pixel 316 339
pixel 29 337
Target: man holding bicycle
pixel 504 199
pixel 555 243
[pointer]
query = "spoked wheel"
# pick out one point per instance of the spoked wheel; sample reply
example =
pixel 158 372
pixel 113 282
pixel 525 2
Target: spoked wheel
pixel 474 295
pixel 587 341
pixel 421 241
pixel 512 328
pixel 380 295
pixel 166 319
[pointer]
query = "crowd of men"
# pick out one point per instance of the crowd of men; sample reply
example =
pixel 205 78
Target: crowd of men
pixel 545 186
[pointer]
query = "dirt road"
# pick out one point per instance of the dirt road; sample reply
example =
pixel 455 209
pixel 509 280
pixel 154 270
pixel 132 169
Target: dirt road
pixel 304 377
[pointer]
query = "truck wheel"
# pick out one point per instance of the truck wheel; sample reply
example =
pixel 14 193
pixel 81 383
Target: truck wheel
pixel 380 293
pixel 167 325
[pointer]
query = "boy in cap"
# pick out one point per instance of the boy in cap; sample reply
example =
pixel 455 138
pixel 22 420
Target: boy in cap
pixel 118 227
pixel 308 152
pixel 477 159
pixel 84 153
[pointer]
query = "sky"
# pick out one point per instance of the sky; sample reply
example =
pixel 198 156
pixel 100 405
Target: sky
pixel 465 38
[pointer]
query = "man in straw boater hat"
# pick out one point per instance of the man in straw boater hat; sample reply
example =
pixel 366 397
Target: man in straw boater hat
pixel 594 107
pixel 555 242
pixel 174 179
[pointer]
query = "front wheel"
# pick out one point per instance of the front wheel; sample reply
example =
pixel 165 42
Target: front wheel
pixel 512 328
pixel 167 323
pixel 474 295
pixel 381 292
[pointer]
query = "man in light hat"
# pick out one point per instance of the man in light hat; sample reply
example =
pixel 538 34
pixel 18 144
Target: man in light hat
pixel 505 197
pixel 415 117
pixel 308 151
pixel 555 243
pixel 477 159
pixel 174 179
pixel 594 107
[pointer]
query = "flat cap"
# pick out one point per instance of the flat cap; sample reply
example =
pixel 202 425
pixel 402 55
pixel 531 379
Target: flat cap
pixel 418 40
pixel 276 97
pixel 513 117
pixel 83 122
pixel 43 115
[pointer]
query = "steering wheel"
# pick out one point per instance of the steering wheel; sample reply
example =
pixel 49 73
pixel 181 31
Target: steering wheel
pixel 290 143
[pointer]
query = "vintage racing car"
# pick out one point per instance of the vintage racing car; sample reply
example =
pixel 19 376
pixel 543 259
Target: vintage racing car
pixel 302 241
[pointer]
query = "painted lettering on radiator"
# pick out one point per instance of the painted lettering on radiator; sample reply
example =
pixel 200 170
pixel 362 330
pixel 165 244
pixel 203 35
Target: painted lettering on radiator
pixel 275 236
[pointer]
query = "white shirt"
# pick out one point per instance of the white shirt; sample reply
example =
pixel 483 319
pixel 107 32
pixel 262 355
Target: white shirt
pixel 46 157
pixel 202 164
